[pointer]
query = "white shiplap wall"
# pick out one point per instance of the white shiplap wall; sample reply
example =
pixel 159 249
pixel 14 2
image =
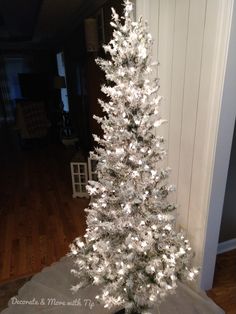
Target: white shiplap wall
pixel 191 42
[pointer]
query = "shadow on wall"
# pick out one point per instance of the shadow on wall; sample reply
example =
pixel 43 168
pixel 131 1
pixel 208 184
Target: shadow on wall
pixel 228 222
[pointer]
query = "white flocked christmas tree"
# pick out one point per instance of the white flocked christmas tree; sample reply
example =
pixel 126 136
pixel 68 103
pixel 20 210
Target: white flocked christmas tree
pixel 131 249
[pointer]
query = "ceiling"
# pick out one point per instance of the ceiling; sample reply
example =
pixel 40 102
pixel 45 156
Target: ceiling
pixel 41 23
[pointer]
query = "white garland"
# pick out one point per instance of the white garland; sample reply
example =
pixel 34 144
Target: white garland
pixel 131 248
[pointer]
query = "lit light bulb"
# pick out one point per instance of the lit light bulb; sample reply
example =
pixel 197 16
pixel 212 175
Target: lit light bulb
pixel 152 298
pixel 181 251
pixel 191 275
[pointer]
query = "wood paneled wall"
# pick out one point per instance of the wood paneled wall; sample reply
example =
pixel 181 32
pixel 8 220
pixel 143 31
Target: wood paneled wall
pixel 190 42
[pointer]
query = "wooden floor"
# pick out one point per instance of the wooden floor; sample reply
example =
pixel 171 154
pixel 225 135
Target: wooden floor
pixel 38 216
pixel 224 287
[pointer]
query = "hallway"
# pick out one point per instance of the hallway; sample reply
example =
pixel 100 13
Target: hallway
pixel 38 216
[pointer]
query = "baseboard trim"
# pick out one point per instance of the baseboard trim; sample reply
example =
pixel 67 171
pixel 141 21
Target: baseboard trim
pixel 226 246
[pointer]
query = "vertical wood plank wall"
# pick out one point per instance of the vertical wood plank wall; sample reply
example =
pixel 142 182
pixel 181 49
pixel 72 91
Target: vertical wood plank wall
pixel 187 34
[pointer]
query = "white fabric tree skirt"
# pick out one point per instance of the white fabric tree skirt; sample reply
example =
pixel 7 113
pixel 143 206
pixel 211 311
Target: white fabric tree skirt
pixel 49 292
